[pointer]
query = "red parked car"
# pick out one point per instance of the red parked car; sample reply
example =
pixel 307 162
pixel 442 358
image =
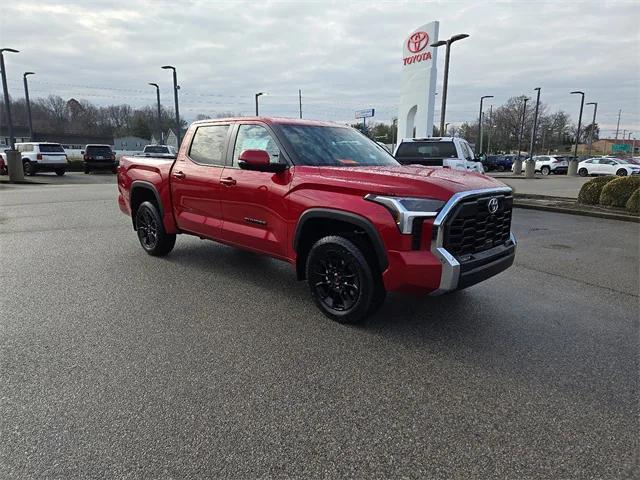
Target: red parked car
pixel 352 221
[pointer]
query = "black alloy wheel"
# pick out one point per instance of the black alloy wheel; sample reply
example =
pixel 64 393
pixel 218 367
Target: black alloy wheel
pixel 151 233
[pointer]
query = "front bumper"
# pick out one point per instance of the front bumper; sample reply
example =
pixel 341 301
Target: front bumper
pixel 434 270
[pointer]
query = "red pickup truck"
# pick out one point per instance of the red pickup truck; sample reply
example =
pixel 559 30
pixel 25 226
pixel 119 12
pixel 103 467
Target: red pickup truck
pixel 325 198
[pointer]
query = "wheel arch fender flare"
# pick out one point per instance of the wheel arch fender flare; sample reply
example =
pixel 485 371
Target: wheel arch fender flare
pixel 347 217
pixel 136 186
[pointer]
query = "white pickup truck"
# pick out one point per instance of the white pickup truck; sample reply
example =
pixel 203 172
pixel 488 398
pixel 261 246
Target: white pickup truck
pixel 450 152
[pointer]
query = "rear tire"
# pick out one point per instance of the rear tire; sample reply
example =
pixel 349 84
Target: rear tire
pixel 545 170
pixel 583 172
pixel 87 170
pixel 501 168
pixel 343 284
pixel 621 173
pixel 151 234
pixel 60 172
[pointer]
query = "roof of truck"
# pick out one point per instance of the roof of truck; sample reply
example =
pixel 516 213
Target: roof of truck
pixel 271 121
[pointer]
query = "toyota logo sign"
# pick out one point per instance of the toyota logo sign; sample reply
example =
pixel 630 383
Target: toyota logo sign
pixel 418 42
pixel 492 206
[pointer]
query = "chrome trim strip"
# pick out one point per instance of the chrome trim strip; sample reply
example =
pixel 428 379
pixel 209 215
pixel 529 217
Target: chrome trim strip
pixel 405 222
pixel 450 266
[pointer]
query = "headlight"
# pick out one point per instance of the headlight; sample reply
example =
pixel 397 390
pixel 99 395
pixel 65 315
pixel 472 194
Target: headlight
pixel 405 209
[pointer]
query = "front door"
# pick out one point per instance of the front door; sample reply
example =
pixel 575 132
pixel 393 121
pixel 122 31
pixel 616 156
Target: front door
pixel 195 182
pixel 253 203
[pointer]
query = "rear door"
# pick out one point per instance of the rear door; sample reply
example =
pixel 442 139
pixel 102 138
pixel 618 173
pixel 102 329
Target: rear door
pixel 253 203
pixel 195 181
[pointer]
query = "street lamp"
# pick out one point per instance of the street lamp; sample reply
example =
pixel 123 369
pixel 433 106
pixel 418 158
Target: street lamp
pixel 446 127
pixel 517 169
pixel 257 95
pixel 175 98
pixel 6 94
pixel 445 83
pixel 530 169
pixel 159 113
pixel 593 124
pixel 573 164
pixel 26 97
pixel 479 150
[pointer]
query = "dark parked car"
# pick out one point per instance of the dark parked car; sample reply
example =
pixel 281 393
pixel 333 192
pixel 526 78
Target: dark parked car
pixel 99 157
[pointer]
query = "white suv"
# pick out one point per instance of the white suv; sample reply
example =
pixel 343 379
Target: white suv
pixel 42 156
pixel 546 164
pixel 449 152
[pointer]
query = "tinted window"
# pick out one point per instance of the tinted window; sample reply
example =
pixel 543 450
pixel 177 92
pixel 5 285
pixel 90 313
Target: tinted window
pixel 98 150
pixel 335 146
pixel 156 149
pixel 427 150
pixel 51 148
pixel 207 147
pixel 255 137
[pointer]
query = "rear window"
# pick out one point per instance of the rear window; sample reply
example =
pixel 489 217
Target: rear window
pixel 51 148
pixel 156 149
pixel 99 150
pixel 426 150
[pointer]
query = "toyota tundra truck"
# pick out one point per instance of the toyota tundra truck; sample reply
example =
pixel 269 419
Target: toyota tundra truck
pixel 352 221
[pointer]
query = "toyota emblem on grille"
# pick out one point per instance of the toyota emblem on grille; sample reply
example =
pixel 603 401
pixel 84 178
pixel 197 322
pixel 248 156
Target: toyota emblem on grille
pixel 492 206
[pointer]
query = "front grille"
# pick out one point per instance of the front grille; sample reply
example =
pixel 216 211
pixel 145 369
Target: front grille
pixel 470 227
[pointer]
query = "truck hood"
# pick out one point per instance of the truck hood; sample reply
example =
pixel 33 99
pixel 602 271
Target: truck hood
pixel 405 180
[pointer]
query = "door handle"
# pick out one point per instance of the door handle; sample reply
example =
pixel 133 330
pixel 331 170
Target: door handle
pixel 179 174
pixel 228 181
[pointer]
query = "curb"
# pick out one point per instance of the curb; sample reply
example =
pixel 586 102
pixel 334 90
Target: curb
pixel 577 211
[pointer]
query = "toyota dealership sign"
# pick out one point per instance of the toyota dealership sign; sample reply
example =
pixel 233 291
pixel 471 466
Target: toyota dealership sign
pixel 418 90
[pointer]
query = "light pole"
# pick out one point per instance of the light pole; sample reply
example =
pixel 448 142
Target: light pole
pixel 26 97
pixel 530 168
pixel 257 95
pixel 7 102
pixel 175 98
pixel 593 124
pixel 573 164
pixel 490 128
pixel 300 101
pixel 14 164
pixel 518 163
pixel 161 139
pixel 446 127
pixel 445 82
pixel 479 149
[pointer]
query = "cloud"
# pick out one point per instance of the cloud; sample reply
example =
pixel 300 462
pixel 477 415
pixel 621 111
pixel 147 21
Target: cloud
pixel 343 55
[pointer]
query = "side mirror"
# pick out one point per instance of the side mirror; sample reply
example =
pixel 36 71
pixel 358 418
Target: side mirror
pixel 259 161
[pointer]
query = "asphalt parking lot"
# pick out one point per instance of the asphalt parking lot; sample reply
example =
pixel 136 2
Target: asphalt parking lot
pixel 213 362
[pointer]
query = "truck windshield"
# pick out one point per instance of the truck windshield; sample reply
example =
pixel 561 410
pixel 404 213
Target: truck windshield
pixel 335 146
pixel 426 150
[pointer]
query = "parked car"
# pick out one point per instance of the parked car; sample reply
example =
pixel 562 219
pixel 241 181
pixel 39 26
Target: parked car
pixel 548 164
pixel 42 157
pixel 607 166
pixel 351 220
pixel 99 157
pixel 450 152
pixel 156 150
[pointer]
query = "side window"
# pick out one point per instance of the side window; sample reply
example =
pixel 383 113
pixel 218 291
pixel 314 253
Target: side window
pixel 255 137
pixel 207 147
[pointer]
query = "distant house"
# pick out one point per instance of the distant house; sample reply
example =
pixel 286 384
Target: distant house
pixel 130 143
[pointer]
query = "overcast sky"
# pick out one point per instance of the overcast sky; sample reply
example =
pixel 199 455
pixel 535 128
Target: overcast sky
pixel 343 55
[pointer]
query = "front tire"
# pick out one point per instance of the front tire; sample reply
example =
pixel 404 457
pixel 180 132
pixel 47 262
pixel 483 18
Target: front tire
pixel 28 168
pixel 151 234
pixel 583 172
pixel 545 170
pixel 343 284
pixel 621 173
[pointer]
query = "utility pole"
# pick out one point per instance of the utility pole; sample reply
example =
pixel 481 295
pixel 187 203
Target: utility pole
pixel 530 169
pixel 518 163
pixel 7 100
pixel 618 126
pixel 445 83
pixel 300 101
pixel 490 128
pixel 593 125
pixel 573 164
pixel 26 97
